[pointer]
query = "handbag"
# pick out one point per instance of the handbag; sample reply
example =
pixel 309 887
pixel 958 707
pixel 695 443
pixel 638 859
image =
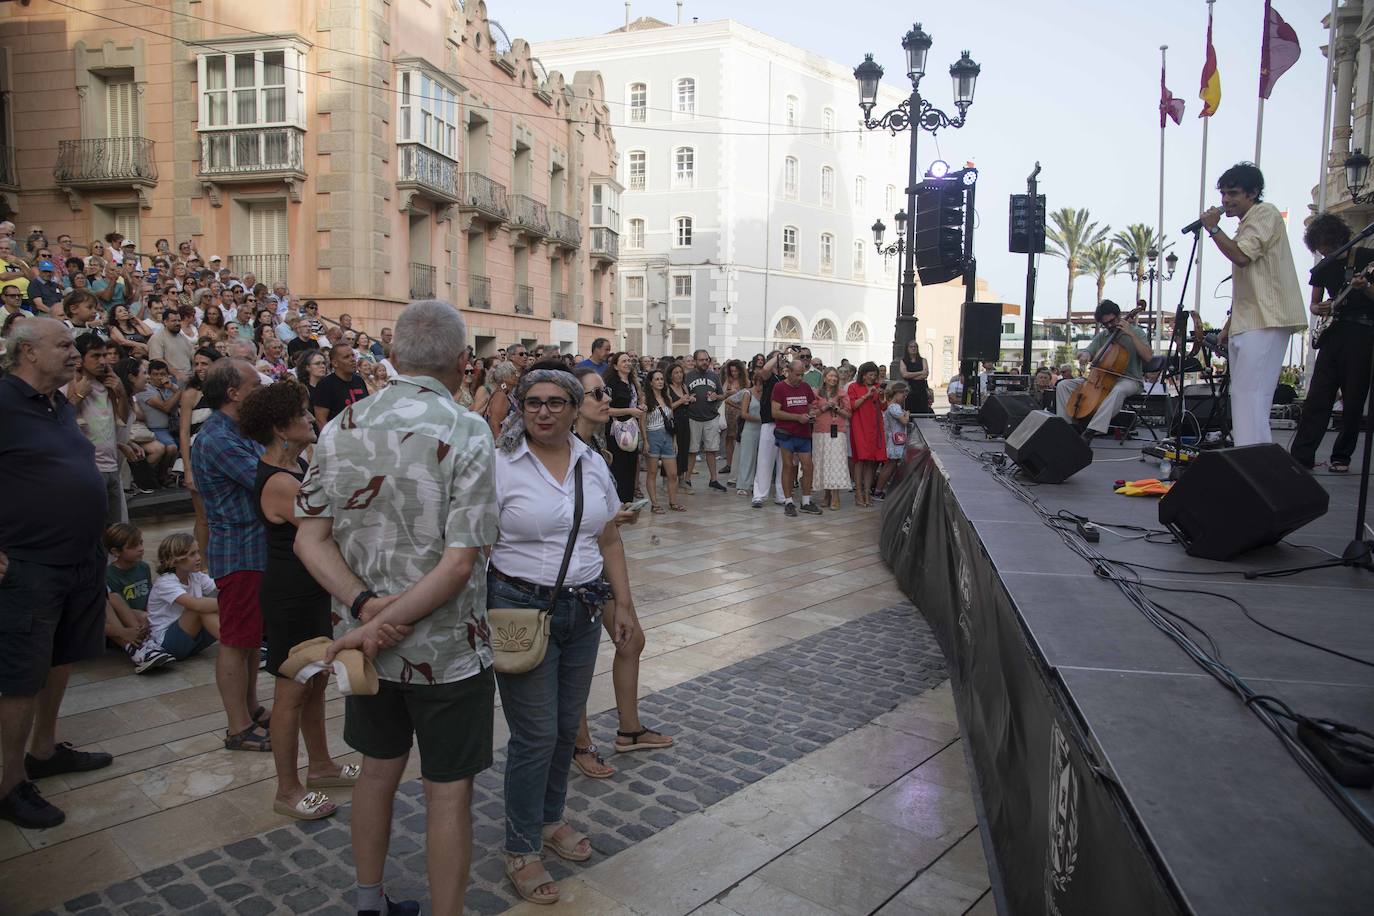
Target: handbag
pixel 626 432
pixel 520 635
pixel 669 424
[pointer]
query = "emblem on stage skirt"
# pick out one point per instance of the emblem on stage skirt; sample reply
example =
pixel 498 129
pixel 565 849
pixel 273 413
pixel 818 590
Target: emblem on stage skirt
pixel 1062 852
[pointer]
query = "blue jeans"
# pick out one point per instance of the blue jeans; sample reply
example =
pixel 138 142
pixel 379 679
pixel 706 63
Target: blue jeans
pixel 543 708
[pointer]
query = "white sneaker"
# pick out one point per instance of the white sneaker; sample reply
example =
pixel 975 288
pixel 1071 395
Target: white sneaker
pixel 149 656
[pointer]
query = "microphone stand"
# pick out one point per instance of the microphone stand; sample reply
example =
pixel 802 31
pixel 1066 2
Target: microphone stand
pixel 1180 315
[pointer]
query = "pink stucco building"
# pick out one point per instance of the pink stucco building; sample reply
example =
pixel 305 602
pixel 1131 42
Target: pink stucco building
pixel 368 152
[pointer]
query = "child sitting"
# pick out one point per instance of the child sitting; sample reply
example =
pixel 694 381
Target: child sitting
pixel 895 422
pixel 128 581
pixel 182 612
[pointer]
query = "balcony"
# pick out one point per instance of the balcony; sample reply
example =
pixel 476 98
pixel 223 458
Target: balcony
pixel 530 217
pixel 111 162
pixel 605 244
pixel 598 311
pixel 421 281
pixel 421 171
pixel 559 305
pixel 252 154
pixel 9 173
pixel 483 199
pixel 567 232
pixel 524 300
pixel 265 268
pixel 479 292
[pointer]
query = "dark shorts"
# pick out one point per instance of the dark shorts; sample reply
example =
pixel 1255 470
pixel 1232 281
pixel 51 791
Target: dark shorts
pixel 164 435
pixel 179 644
pixel 797 445
pixel 452 723
pixel 240 616
pixel 49 616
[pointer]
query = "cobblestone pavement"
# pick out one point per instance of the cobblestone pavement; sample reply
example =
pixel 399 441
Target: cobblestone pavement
pixel 734 726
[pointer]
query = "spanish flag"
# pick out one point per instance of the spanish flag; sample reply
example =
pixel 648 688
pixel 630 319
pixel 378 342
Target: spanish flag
pixel 1211 79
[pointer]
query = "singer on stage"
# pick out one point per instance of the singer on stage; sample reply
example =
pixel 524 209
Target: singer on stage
pixel 1267 305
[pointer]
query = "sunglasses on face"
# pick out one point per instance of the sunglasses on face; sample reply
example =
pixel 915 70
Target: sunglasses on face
pixel 598 394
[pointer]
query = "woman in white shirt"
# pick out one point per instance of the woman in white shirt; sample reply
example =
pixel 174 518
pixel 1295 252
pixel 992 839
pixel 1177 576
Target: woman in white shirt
pixel 540 466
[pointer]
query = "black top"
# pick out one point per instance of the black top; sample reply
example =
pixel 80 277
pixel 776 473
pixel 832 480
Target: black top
pixel 1334 277
pixel 766 402
pixel 622 393
pixel 298 345
pixel 283 565
pixel 334 394
pixel 700 384
pixel 918 394
pixel 55 498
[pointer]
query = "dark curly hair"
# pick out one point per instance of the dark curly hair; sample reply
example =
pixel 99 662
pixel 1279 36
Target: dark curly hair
pixel 272 407
pixel 1326 231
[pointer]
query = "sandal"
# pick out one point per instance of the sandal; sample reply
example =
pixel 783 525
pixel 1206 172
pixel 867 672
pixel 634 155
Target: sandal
pixel 262 716
pixel 659 510
pixel 566 848
pixel 347 778
pixel 586 769
pixel 528 888
pixel 311 807
pixel 1338 467
pixel 677 508
pixel 250 739
pixel 646 739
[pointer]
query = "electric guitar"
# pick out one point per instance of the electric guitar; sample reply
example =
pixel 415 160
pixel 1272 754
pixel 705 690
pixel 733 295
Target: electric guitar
pixel 1324 321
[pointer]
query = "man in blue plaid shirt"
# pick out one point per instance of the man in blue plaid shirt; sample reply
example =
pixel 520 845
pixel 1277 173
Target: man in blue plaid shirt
pixel 224 465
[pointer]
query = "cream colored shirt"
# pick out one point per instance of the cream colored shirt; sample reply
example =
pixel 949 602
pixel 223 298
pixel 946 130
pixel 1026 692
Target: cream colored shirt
pixel 1266 291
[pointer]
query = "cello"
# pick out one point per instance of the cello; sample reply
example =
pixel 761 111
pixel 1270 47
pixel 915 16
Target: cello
pixel 1108 366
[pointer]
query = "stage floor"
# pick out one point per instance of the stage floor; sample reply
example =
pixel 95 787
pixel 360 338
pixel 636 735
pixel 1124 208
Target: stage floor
pixel 1229 814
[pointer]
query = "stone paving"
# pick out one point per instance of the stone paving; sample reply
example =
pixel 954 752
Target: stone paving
pixel 735 726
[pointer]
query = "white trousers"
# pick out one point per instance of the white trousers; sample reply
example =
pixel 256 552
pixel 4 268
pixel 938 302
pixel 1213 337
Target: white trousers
pixel 1110 406
pixel 768 467
pixel 1254 360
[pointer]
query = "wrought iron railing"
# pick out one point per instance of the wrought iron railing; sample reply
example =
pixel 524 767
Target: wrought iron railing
pixel 529 214
pixel 566 230
pixel 265 268
pixel 558 305
pixel 251 151
pixel 597 305
pixel 105 161
pixel 524 300
pixel 421 166
pixel 605 243
pixel 479 292
pixel 9 173
pixel 421 281
pixel 485 196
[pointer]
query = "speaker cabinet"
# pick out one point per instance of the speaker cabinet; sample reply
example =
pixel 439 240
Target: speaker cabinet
pixel 980 331
pixel 1236 499
pixel 1046 448
pixel 1000 413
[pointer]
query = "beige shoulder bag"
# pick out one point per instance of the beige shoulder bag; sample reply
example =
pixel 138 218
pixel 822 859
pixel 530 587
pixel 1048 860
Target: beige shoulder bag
pixel 520 635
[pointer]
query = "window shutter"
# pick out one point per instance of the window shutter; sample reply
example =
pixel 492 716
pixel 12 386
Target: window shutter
pixel 267 229
pixel 126 223
pixel 121 113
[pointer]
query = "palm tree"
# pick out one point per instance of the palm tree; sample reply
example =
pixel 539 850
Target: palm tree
pixel 1072 234
pixel 1137 239
pixel 1101 261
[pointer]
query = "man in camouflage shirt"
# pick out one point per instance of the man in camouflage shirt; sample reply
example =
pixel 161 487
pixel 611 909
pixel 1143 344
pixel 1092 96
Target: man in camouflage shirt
pixel 395 511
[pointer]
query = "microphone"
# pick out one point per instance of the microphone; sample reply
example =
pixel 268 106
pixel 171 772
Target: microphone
pixel 1192 227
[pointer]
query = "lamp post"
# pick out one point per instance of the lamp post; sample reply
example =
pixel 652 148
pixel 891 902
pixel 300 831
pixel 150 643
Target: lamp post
pixel 1356 174
pixel 1154 274
pixel 913 114
pixel 895 249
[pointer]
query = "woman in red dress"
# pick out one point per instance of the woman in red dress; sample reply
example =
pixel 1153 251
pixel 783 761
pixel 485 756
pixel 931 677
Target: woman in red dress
pixel 866 432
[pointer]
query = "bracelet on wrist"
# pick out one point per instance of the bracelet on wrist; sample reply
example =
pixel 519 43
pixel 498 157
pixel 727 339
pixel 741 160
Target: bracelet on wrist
pixel 362 598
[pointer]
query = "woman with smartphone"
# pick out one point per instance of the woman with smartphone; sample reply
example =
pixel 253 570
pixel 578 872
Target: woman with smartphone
pixel 866 440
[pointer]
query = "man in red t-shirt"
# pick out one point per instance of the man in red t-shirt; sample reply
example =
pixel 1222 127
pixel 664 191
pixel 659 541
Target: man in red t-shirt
pixel 793 416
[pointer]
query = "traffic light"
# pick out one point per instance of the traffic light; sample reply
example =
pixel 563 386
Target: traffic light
pixel 940 228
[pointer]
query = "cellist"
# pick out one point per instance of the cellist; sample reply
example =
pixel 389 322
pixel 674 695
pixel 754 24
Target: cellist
pixel 1131 382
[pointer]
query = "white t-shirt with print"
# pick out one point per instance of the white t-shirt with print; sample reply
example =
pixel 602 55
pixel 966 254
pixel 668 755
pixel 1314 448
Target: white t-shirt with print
pixel 163 611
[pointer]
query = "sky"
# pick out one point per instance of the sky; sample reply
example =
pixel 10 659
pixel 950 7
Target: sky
pixel 1069 83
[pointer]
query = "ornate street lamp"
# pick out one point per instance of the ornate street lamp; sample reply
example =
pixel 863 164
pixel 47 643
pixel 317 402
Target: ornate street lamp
pixel 913 114
pixel 1356 174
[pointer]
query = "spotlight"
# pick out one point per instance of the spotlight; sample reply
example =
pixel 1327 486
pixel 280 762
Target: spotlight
pixel 938 169
pixel 970 176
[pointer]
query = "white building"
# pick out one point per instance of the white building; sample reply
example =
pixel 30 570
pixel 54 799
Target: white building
pixel 750 192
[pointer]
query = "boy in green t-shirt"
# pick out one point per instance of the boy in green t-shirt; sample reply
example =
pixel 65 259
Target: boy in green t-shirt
pixel 128 581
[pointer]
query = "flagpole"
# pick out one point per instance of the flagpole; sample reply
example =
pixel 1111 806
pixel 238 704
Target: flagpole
pixel 1259 130
pixel 1157 319
pixel 1202 187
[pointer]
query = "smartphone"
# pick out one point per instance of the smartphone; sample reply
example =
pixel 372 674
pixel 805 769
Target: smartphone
pixel 636 506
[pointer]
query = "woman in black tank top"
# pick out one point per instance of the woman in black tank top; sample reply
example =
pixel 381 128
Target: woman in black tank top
pixel 294 606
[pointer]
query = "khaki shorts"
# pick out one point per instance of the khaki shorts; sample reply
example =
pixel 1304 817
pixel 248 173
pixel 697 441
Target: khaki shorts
pixel 705 436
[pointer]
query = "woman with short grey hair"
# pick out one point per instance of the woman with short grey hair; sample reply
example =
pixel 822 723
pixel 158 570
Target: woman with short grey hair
pixel 501 382
pixel 558 548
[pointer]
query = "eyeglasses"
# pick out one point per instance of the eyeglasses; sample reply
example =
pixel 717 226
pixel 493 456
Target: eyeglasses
pixel 520 353
pixel 13 296
pixel 555 405
pixel 467 371
pixel 598 394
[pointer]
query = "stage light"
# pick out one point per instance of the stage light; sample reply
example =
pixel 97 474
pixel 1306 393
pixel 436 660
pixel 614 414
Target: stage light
pixel 938 169
pixel 970 176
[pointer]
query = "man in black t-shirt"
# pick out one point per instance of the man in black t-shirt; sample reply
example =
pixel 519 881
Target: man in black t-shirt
pixel 1346 345
pixel 769 465
pixel 339 388
pixel 703 414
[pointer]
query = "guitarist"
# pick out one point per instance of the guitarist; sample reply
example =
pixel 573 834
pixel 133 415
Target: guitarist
pixel 1345 347
pixel 1108 315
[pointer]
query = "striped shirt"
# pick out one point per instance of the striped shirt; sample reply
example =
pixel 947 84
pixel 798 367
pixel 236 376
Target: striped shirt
pixel 1267 294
